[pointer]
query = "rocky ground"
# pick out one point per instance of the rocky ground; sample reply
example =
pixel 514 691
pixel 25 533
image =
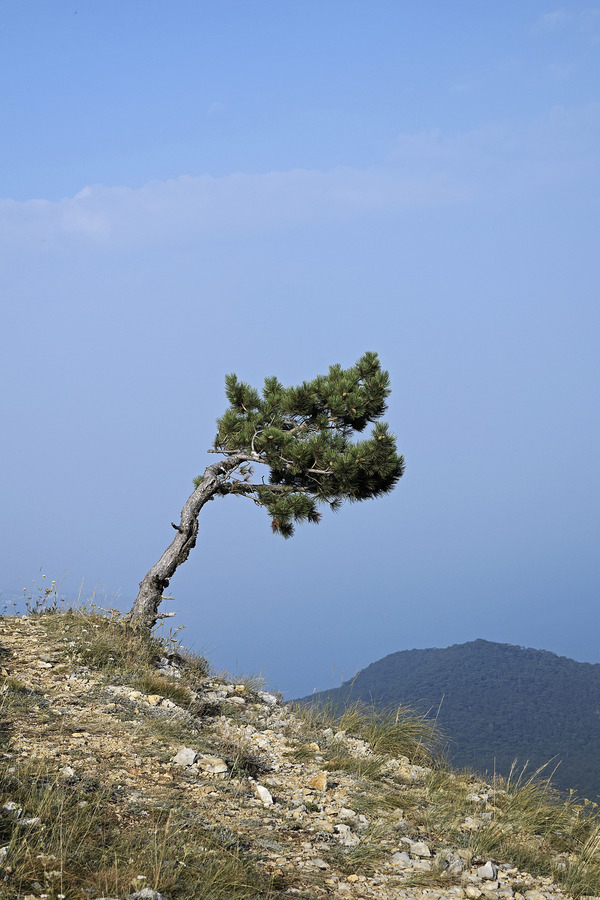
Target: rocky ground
pixel 243 764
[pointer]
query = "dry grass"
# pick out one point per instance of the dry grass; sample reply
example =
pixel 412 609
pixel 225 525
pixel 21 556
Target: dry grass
pixel 78 838
pixel 82 841
pixel 397 732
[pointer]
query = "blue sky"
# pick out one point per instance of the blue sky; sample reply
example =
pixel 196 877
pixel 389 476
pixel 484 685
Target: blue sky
pixel 189 189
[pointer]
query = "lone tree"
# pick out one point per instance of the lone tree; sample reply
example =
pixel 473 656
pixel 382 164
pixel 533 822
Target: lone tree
pixel 303 435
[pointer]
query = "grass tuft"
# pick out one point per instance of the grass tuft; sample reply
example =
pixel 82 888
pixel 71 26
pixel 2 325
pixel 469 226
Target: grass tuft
pixel 393 732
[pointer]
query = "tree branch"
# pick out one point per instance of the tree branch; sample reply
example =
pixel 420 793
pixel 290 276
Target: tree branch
pixel 241 488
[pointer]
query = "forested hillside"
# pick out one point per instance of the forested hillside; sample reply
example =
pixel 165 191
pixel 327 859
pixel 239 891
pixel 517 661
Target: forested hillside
pixel 496 702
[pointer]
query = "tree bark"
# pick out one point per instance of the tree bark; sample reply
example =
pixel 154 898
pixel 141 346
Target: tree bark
pixel 144 612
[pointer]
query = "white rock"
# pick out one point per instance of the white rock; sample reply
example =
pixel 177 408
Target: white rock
pixel 420 849
pixel 12 807
pixel 263 794
pixel 146 894
pixel 401 858
pixel 212 765
pixel 3 853
pixel 269 699
pixel 488 872
pixel 345 813
pixel 185 757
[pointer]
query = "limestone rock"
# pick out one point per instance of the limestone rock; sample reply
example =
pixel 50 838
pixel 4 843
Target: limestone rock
pixel 269 699
pixel 420 849
pixel 488 872
pixel 212 765
pixel 263 794
pixel 185 757
pixel 146 894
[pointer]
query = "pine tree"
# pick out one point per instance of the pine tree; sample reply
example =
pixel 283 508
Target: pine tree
pixel 304 436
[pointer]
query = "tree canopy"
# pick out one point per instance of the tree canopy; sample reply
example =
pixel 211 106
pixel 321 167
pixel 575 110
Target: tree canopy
pixel 304 435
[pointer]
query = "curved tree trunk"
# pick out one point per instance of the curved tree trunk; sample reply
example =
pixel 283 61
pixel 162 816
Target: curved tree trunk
pixel 144 612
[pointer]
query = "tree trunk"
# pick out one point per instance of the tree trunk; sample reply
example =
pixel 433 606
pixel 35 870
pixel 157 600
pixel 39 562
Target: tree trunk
pixel 144 612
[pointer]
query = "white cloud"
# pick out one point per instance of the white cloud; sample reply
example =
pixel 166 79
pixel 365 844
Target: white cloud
pixel 192 207
pixel 426 170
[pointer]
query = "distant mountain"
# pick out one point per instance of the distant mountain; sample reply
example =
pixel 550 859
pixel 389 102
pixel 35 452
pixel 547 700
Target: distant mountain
pixel 495 703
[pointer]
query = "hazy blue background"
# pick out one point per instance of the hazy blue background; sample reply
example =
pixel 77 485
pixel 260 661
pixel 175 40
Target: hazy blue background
pixel 192 188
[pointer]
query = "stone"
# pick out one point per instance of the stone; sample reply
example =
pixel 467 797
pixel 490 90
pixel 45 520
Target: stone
pixel 146 894
pixel 269 699
pixel 154 699
pixel 318 782
pixel 488 872
pixel 185 757
pixel 323 825
pixel 447 861
pixel 345 813
pixel 212 765
pixel 472 892
pixel 12 808
pixel 401 858
pixel 168 667
pixel 263 794
pixel 349 840
pixel 420 849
